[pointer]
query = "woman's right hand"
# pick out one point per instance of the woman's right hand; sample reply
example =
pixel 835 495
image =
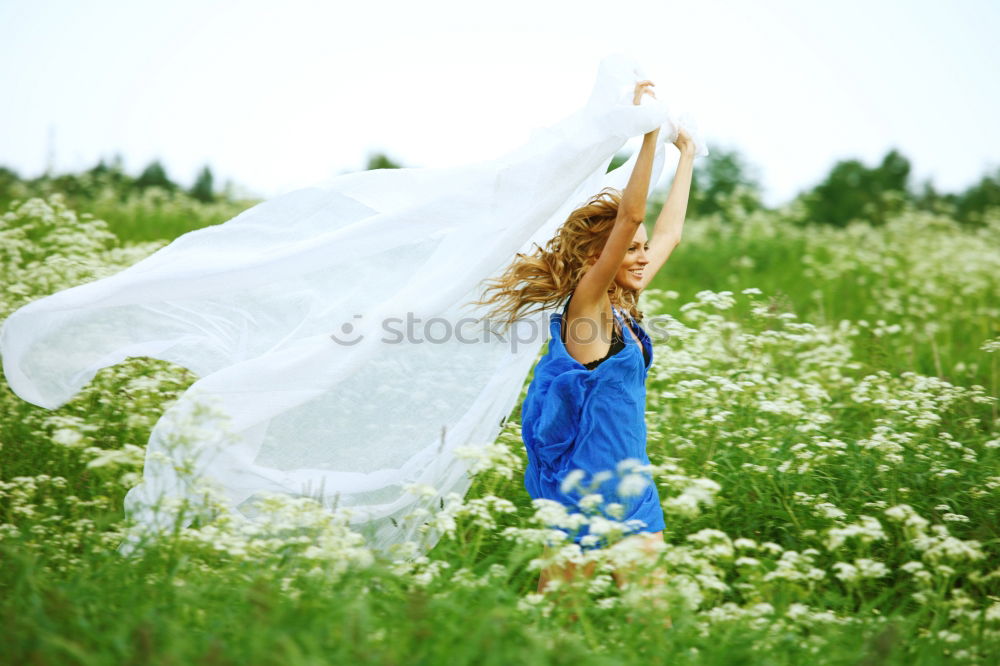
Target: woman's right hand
pixel 641 88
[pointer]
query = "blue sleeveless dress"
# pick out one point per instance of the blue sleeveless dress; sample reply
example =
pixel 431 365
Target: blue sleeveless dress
pixel 576 418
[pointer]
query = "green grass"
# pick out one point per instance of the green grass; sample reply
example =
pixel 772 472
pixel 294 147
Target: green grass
pixel 831 484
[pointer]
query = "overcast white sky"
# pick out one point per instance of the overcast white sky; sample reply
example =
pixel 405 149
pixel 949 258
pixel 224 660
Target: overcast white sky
pixel 276 95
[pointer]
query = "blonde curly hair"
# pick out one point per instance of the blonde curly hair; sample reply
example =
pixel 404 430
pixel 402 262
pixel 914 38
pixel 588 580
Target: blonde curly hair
pixel 549 274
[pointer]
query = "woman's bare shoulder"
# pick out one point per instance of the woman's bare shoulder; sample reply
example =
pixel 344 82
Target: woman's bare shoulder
pixel 588 329
pixel 582 306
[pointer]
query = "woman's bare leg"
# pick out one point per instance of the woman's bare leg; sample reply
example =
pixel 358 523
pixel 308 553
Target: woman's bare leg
pixel 566 572
pixel 650 544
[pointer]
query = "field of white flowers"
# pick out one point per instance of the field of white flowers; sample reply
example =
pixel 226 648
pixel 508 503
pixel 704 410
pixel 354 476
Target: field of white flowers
pixel 824 432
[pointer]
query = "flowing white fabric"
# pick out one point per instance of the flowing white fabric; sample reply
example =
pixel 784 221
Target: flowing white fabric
pixel 293 316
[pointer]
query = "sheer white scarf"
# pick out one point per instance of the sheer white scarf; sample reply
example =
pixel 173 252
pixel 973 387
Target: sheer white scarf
pixel 293 315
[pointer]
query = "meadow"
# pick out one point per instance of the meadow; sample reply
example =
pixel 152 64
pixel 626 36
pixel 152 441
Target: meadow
pixel 825 438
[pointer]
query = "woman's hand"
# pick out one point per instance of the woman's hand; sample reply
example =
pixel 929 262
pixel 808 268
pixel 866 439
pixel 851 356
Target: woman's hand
pixel 641 88
pixel 684 143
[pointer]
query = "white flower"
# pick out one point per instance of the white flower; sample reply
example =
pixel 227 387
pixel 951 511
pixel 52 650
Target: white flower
pixel 572 480
pixel 868 568
pixel 420 489
pixel 714 542
pixel 868 530
pixel 992 613
pixel 830 510
pixel 591 501
pixel 550 512
pixel 772 547
pixel 632 485
pixel 846 572
pixel 904 513
pixel 697 493
pixel 67 437
pixel 797 610
pixel 942 546
pixel 130 454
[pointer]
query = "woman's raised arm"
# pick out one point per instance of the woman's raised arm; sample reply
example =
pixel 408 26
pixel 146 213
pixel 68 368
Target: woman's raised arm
pixel 594 284
pixel 670 222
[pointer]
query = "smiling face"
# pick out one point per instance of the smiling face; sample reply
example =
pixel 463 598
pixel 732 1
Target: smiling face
pixel 630 273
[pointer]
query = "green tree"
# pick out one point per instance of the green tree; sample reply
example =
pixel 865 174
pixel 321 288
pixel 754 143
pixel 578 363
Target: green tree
pixel 381 161
pixel 7 178
pixel 977 199
pixel 155 175
pixel 853 191
pixel 202 190
pixel 111 175
pixel 722 179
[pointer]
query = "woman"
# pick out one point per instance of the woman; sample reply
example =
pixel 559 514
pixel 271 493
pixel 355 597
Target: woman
pixel 584 409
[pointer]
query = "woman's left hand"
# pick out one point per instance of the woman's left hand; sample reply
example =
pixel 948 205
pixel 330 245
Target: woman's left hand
pixel 684 142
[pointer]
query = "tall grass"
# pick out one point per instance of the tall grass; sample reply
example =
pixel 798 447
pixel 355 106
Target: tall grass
pixel 824 436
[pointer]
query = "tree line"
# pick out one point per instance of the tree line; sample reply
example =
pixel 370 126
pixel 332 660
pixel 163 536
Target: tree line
pixel 724 181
